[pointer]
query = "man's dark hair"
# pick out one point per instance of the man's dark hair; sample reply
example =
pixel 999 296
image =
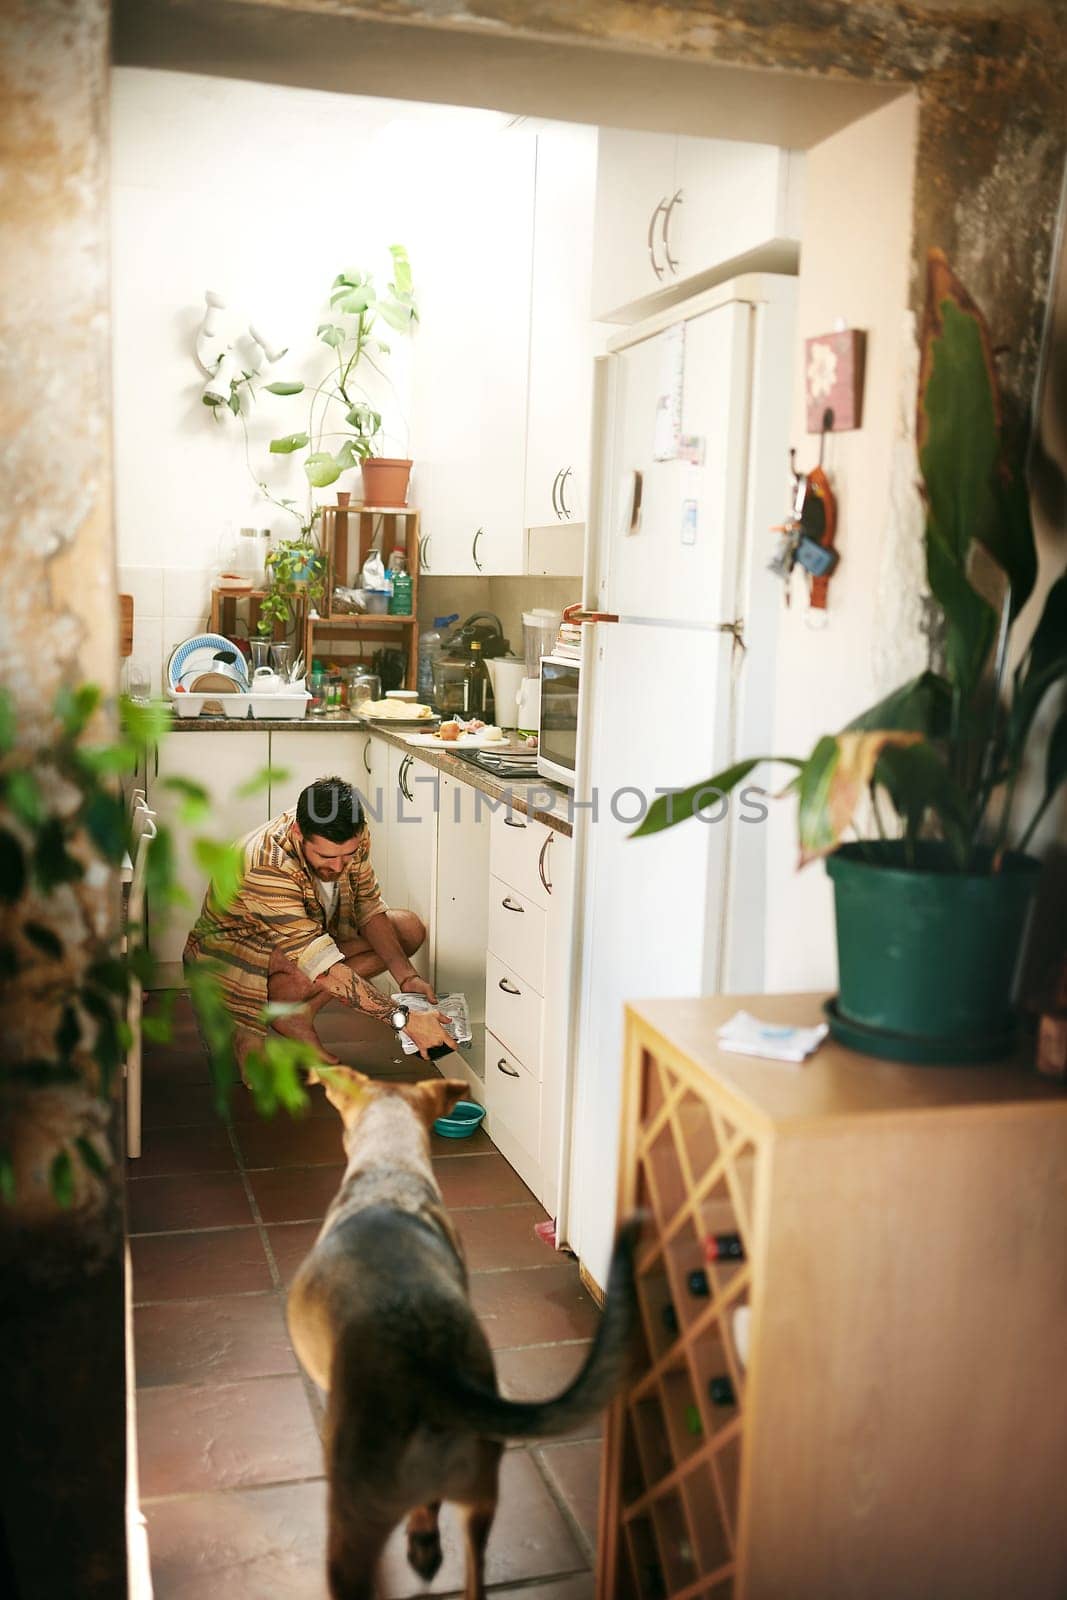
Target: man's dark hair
pixel 331 809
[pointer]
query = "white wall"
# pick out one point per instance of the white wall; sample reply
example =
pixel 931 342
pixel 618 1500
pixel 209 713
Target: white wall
pixel 263 194
pixel 855 253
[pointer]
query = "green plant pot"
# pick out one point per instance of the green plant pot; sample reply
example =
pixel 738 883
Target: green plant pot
pixel 927 956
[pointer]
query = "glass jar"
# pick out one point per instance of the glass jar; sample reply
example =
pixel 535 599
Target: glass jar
pixel 362 686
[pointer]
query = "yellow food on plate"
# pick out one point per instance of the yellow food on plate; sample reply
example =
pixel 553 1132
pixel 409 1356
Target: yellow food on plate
pixel 448 732
pixel 396 710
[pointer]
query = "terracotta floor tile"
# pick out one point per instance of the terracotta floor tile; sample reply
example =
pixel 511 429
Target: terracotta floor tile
pixel 180 1266
pixel 168 1205
pixel 218 1341
pixel 574 1467
pixel 477 1144
pixel 225 1436
pixel 480 1181
pixel 538 1306
pixel 286 1141
pixel 167 1152
pixel 542 1372
pixel 243 1107
pixel 295 1194
pixel 170 1104
pixel 244 1545
pixel 179 1062
pixel 290 1245
pixel 530 1539
pixel 502 1236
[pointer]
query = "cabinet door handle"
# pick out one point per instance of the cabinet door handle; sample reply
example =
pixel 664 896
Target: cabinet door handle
pixel 474 548
pixel 366 755
pixel 509 905
pixel 565 510
pixel 656 268
pixel 502 1066
pixel 508 988
pixel 555 487
pixel 541 863
pixel 675 200
pixel 424 552
pixel 509 822
pixel 402 777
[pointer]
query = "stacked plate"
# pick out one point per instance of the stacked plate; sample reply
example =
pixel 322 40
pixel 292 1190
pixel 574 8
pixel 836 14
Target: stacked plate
pixel 207 654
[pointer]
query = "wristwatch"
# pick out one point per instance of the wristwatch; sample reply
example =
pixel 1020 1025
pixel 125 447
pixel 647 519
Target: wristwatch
pixel 399 1018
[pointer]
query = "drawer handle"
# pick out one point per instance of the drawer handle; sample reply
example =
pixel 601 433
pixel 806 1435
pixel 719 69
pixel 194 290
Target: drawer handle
pixel 509 822
pixel 509 1072
pixel 509 905
pixel 508 988
pixel 366 754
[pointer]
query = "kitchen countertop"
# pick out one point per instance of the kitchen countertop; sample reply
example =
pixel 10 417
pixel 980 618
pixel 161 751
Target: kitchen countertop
pixel 547 802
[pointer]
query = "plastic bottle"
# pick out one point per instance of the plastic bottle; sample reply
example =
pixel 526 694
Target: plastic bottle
pixel 430 644
pixel 400 600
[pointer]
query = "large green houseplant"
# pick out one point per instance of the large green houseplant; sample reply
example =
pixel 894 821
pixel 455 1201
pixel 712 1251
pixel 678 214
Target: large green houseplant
pixel 339 409
pixel 932 903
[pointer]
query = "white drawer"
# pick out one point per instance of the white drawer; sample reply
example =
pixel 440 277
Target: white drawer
pixel 519 854
pixel 513 1012
pixel 513 1101
pixel 517 932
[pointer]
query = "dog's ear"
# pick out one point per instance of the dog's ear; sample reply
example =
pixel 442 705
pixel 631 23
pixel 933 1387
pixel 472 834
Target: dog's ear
pixel 344 1090
pixel 437 1096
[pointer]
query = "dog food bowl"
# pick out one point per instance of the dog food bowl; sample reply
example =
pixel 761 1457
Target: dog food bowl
pixel 461 1122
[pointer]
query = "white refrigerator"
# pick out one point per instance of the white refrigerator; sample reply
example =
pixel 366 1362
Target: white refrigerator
pixel 690 472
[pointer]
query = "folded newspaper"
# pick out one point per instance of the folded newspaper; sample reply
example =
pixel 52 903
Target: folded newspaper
pixel 746 1035
pixel 455 1009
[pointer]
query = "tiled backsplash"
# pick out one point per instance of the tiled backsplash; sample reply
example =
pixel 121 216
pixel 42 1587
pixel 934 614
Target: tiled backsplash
pixel 169 604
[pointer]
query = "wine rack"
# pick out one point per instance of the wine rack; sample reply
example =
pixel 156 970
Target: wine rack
pixel 792 1422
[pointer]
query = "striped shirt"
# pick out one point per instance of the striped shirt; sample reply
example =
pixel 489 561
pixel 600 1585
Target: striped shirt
pixel 277 908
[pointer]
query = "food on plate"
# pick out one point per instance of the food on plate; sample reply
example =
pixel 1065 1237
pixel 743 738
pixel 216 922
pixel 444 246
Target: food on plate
pixel 473 732
pixel 395 710
pixel 449 732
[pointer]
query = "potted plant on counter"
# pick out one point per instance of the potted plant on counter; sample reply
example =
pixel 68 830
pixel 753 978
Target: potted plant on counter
pixel 296 569
pixel 933 895
pixel 339 408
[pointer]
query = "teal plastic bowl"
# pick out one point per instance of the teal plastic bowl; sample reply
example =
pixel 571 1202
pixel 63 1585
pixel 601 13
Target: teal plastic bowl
pixel 461 1122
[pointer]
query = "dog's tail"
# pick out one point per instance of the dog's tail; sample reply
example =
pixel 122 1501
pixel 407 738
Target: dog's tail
pixel 471 1405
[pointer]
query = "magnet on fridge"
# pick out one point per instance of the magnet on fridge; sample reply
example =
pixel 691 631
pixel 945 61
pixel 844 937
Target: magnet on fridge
pixel 689 522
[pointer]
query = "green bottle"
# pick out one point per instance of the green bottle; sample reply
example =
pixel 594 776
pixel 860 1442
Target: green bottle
pixel 400 599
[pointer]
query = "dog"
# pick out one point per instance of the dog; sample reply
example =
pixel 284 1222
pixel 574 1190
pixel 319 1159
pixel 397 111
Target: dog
pixel 381 1321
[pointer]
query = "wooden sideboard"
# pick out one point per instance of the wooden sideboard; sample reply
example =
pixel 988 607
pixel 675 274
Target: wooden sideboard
pixel 893 1421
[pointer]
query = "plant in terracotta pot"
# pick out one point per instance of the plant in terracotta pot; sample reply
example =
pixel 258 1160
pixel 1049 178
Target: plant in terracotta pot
pixel 339 408
pixel 933 893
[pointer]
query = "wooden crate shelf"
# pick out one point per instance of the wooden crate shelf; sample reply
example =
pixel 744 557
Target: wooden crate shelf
pixel 873 1209
pixel 348 533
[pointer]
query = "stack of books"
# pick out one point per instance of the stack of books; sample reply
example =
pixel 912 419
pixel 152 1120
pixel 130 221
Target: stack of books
pixel 569 640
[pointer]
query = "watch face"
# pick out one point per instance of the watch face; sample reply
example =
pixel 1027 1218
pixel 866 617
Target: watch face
pixel 399 1017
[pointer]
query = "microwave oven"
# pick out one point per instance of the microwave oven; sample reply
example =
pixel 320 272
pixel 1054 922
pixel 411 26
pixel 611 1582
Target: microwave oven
pixel 557 728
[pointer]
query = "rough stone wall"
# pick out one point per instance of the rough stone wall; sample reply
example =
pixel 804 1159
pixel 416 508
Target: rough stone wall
pixel 62 1374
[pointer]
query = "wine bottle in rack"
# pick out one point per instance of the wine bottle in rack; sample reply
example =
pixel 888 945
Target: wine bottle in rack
pixel 724 1247
pixel 721 1391
pixel 697 1283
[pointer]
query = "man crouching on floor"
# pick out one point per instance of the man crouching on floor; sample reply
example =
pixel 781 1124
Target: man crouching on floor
pixel 308 926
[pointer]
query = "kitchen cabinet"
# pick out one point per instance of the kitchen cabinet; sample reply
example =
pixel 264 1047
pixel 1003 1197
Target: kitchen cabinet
pixel 471 243
pixel 527 1006
pixel 222 763
pixel 299 758
pixel 674 213
pixel 561 344
pixel 412 798
pixel 461 913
